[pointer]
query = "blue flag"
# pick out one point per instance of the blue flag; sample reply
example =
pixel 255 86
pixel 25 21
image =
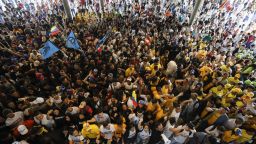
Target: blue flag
pixel 48 50
pixel 101 41
pixel 72 41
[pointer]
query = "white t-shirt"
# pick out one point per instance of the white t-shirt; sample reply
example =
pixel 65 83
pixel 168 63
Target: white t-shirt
pixel 182 138
pixel 167 131
pixel 144 135
pixel 45 121
pixel 175 114
pixel 18 117
pixel 75 110
pixel 132 133
pixel 75 139
pixel 214 132
pixel 108 133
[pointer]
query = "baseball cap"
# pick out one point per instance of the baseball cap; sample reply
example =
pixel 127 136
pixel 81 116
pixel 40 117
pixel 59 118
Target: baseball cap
pixel 129 79
pixel 36 63
pixel 22 129
pixel 95 70
pixel 38 100
pixel 238 131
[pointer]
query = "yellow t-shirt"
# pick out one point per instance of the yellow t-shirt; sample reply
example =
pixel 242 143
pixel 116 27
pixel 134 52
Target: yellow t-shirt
pixel 160 114
pixel 90 132
pixel 217 92
pixel 119 129
pixel 202 45
pixel 229 137
pixel 232 80
pixel 165 89
pixel 244 138
pixel 150 107
pixel 129 71
pixel 213 118
pixel 205 70
pixel 156 95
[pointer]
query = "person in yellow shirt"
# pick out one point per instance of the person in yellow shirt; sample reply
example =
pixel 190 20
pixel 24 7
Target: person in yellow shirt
pixel 202 45
pixel 234 80
pixel 218 91
pixel 204 72
pixel 167 88
pixel 91 132
pixel 129 71
pixel 232 135
pixel 120 128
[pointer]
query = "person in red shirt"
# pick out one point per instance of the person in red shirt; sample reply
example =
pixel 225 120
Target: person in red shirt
pixel 27 123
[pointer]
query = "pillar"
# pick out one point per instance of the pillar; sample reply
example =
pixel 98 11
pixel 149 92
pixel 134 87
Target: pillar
pixel 67 9
pixel 102 8
pixel 195 11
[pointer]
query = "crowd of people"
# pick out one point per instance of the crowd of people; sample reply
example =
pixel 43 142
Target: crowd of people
pixel 155 80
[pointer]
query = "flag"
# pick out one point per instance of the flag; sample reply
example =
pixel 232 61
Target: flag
pixel 72 41
pixel 48 50
pixel 226 4
pixel 223 4
pixel 54 31
pixel 134 99
pixel 102 41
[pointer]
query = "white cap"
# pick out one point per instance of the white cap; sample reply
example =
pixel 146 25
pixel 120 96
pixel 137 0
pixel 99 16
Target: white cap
pixel 57 99
pixel 36 63
pixel 129 79
pixel 38 100
pixel 22 129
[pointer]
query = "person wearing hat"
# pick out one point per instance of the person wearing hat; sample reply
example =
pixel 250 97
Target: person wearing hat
pixel 23 130
pixel 232 135
pixel 218 90
pixel 26 125
pixel 90 132
pixel 234 80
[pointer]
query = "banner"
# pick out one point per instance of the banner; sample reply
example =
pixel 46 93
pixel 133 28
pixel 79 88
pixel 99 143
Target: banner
pixel 102 41
pixel 48 50
pixel 72 41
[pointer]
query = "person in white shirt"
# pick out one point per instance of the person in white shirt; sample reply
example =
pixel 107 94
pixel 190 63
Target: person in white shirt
pixel 107 132
pixel 213 131
pixel 44 120
pixel 73 110
pixel 13 118
pixel 176 112
pixel 185 132
pixel 129 84
pixel 169 127
pixel 76 138
pixel 144 134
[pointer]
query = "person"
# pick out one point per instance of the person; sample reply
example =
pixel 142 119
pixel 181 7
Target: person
pixel 75 137
pixel 142 74
pixel 107 132
pixel 144 133
pixel 100 118
pixel 91 132
pixel 45 120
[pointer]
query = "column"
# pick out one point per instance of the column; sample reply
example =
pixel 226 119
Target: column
pixel 67 9
pixel 195 11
